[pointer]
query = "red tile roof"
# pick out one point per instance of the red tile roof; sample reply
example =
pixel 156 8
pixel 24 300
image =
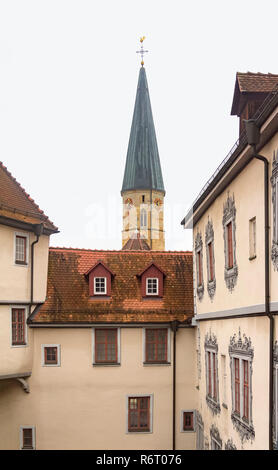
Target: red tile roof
pixel 256 82
pixel 136 244
pixel 68 298
pixel 16 204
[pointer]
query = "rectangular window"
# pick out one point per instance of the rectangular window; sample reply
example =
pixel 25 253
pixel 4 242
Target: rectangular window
pixel 211 273
pixel 199 266
pixel 156 343
pixel 237 386
pixel 188 421
pixel 20 249
pixel 152 286
pixel 214 377
pixel 209 375
pixel 100 285
pixel 224 378
pixel 51 355
pixel 18 327
pixel 245 390
pixel 252 238
pixel 106 345
pixel 139 414
pixel 27 437
pixel 230 245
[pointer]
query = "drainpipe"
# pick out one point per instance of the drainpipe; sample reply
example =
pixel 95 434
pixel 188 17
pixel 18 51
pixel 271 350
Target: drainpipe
pixel 174 328
pixel 38 229
pixel 253 138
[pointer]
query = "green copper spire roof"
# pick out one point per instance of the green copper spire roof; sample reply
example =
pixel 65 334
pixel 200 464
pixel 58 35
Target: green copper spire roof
pixel 142 169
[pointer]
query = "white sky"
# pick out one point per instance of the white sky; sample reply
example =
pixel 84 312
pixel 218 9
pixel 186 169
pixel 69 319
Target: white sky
pixel 69 72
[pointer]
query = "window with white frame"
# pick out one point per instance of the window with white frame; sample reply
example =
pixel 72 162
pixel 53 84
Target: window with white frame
pixel 27 438
pixel 139 413
pixel 152 286
pixel 51 355
pixel 100 285
pixel 212 392
pixel 241 358
pixel 21 248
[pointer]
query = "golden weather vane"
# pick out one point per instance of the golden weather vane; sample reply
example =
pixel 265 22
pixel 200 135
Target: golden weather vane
pixel 142 52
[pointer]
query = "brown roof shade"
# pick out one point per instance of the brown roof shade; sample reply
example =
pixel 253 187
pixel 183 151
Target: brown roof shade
pixel 68 300
pixel 135 244
pixel 258 83
pixel 16 204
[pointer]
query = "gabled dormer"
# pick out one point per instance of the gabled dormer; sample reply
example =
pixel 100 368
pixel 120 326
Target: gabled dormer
pixel 100 280
pixel 152 281
pixel 250 91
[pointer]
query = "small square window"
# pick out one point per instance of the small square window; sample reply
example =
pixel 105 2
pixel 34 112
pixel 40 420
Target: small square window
pixel 152 286
pixel 188 424
pixel 100 285
pixel 20 249
pixel 51 355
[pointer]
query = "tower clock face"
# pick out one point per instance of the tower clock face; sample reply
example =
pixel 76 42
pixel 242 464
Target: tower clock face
pixel 158 202
pixel 129 202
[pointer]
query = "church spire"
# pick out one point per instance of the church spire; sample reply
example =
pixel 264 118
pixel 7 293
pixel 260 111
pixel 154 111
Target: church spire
pixel 142 169
pixel 143 189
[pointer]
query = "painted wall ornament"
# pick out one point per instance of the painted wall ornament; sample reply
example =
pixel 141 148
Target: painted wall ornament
pixel 199 249
pixel 229 215
pixel 240 348
pixel 274 183
pixel 209 239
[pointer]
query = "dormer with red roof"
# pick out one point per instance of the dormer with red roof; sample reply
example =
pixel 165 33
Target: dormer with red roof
pixel 152 279
pixel 100 280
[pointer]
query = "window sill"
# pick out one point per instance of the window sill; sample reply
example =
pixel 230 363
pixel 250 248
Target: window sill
pixel 21 263
pixel 244 428
pixel 149 363
pixel 105 364
pixel 252 257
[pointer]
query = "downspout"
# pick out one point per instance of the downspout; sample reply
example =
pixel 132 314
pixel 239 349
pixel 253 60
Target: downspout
pixel 38 228
pixel 174 328
pixel 253 137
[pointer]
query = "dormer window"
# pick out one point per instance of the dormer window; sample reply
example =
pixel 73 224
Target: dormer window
pixel 152 286
pixel 152 280
pixel 100 280
pixel 100 285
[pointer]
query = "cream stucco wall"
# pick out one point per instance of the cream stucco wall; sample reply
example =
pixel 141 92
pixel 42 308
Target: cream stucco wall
pixel 257 330
pixel 81 406
pixel 15 291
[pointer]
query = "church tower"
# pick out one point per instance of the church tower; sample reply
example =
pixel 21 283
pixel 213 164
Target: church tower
pixel 143 189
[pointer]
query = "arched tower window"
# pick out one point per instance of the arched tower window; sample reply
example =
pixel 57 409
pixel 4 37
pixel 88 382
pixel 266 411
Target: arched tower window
pixel 143 219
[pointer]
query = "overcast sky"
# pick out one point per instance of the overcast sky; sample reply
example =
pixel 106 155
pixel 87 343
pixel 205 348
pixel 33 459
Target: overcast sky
pixel 69 72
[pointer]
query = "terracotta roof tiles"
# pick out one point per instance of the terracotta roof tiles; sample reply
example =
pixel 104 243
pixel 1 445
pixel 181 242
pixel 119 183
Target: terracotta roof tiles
pixel 68 298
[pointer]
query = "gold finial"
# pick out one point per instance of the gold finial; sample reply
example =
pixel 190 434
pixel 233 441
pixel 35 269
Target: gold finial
pixel 142 52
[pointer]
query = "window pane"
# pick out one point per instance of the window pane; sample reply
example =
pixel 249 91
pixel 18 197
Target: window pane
pixel 27 438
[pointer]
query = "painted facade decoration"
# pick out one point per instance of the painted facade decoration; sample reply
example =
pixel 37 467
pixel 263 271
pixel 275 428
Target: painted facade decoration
pixel 211 279
pixel 212 382
pixel 215 439
pixel 229 216
pixel 199 265
pixel 274 183
pixel 241 358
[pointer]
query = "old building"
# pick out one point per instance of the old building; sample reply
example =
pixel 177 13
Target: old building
pixel 112 357
pixel 235 273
